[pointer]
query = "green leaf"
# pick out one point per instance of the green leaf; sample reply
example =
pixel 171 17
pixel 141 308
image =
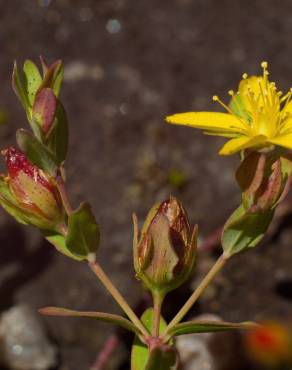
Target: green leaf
pixel 59 137
pixel 32 80
pixel 191 327
pixel 59 242
pixel 53 76
pixel 245 229
pixel 17 85
pixel 140 359
pixel 83 232
pixel 36 152
pixel 100 316
pixel 36 129
pixel 58 77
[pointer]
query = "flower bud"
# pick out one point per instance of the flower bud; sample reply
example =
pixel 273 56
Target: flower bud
pixel 32 196
pixel 164 256
pixel 44 109
pixel 262 181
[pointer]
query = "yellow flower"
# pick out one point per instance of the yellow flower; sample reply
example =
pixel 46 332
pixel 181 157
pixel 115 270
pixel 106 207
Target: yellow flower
pixel 257 117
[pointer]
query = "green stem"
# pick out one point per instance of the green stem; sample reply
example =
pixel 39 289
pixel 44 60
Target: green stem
pixel 63 194
pixel 197 293
pixel 98 271
pixel 157 303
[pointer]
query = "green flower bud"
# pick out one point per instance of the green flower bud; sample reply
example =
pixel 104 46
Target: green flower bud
pixel 164 256
pixel 30 195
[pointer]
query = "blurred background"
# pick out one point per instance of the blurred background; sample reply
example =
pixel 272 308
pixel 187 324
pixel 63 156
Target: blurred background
pixel 127 65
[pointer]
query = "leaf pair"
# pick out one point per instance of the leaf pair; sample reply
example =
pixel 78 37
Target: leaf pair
pixel 164 358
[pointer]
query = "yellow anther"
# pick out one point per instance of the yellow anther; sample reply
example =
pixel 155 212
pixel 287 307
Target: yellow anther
pixel 264 65
pixel 215 98
pixel 244 76
pixel 231 92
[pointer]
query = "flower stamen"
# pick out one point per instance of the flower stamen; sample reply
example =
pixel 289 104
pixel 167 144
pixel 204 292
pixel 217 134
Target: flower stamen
pixel 242 122
pixel 263 116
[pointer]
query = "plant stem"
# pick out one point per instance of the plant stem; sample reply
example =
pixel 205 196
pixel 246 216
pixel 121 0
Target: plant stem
pixel 157 303
pixel 96 268
pixel 98 271
pixel 199 290
pixel 63 194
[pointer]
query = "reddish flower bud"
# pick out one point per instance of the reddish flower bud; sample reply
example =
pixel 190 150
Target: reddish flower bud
pixel 165 254
pixel 262 181
pixel 33 191
pixel 44 109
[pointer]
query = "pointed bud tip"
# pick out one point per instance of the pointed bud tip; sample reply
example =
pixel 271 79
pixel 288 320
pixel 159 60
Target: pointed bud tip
pixel 16 161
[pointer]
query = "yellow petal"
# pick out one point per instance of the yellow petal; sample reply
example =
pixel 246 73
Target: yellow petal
pixel 284 140
pixel 210 121
pixel 234 145
pixel 223 134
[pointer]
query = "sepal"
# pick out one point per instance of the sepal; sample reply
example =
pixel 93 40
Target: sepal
pixel 83 234
pixel 37 152
pixel 245 229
